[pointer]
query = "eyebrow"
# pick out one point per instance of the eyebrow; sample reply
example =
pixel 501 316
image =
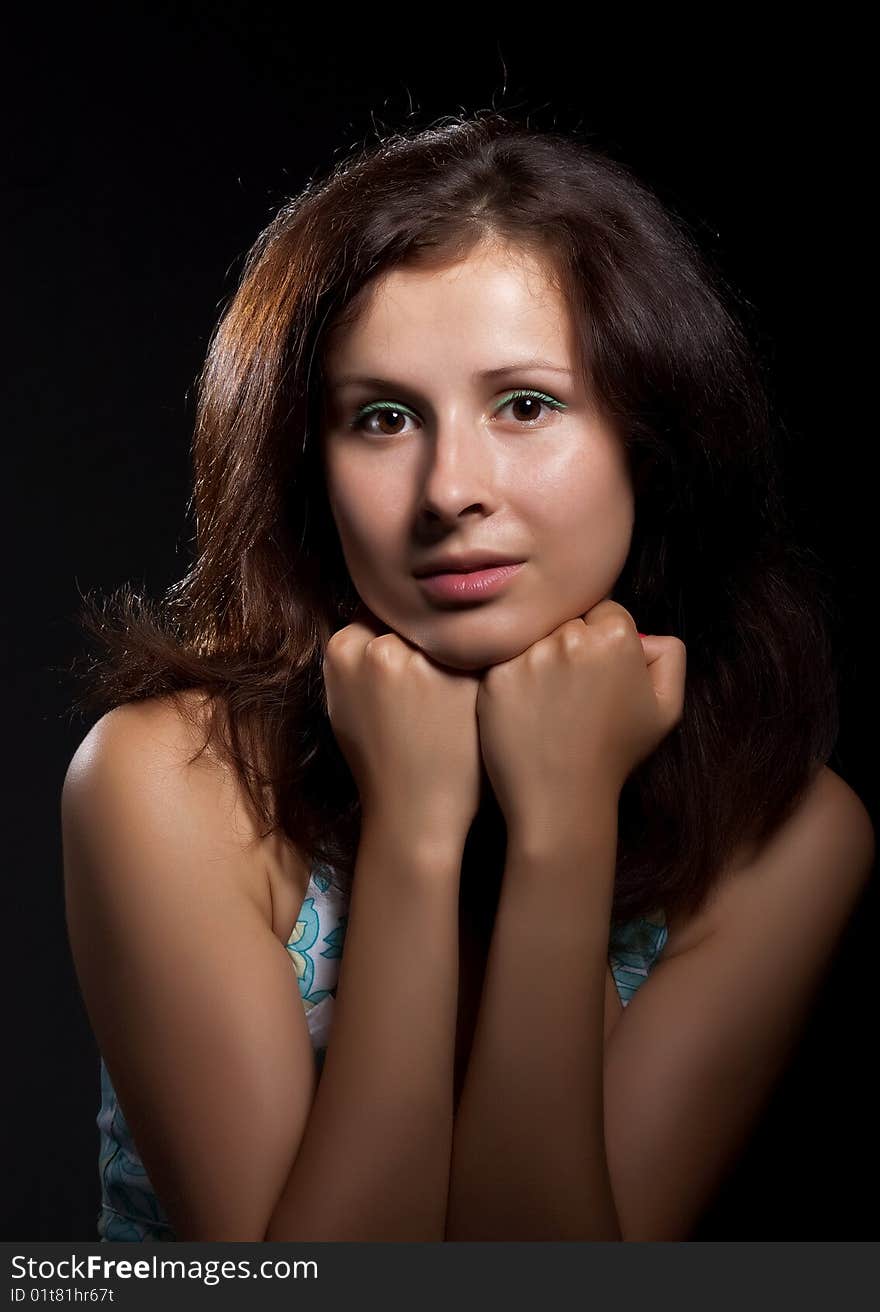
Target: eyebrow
pixel 348 379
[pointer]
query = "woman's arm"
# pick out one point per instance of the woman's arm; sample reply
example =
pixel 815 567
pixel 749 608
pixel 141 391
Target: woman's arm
pixel 529 1159
pixel 373 1164
pixel 195 1006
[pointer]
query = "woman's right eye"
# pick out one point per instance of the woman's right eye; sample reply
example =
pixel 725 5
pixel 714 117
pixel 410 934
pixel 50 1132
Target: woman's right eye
pixel 380 409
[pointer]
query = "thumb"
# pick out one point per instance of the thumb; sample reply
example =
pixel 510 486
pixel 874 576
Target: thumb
pixel 666 659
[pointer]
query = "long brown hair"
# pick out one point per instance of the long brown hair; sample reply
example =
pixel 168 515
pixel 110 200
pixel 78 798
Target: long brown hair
pixel 714 558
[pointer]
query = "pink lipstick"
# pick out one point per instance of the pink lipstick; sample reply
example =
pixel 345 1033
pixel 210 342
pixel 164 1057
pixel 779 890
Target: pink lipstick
pixel 475 584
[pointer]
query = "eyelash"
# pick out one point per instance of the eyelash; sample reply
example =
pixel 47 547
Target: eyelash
pixel 376 406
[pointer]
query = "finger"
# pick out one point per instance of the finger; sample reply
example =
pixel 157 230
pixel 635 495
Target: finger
pixel 666 659
pixel 605 611
pixel 652 646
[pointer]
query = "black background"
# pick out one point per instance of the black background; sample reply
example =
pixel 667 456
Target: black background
pixel 146 146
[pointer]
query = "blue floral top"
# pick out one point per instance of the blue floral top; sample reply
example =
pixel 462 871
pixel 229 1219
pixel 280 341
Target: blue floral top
pixel 130 1210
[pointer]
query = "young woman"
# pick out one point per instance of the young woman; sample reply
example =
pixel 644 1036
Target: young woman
pixel 498 703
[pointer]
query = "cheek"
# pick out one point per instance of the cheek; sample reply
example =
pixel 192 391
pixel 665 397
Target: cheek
pixel 365 511
pixel 584 519
pixel 584 496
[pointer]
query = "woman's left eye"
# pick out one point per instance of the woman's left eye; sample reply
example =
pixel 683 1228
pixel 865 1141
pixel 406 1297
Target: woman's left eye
pixel 536 401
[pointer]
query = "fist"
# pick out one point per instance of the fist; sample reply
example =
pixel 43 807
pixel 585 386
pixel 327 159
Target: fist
pixel 577 711
pixel 407 727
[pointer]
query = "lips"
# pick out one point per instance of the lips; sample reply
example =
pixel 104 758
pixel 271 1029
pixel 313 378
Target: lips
pixel 466 564
pixel 470 585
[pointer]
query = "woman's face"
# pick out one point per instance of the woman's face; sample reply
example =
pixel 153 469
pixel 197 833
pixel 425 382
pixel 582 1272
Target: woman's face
pixel 453 463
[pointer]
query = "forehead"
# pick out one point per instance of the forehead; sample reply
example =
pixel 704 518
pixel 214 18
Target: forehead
pixel 495 304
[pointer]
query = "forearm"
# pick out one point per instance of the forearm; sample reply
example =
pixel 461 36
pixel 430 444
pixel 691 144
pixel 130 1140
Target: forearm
pixel 373 1164
pixel 529 1159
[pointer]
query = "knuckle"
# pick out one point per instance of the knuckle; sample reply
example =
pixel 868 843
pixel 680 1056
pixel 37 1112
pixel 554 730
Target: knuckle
pixel 495 677
pixel 540 653
pixel 337 645
pixel 572 638
pixel 618 631
pixel 385 650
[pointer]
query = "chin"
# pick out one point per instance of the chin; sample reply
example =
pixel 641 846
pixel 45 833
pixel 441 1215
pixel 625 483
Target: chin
pixel 471 657
pixel 463 663
pixel 478 647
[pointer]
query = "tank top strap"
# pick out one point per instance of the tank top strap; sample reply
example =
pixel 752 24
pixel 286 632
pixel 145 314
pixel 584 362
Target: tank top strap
pixel 634 948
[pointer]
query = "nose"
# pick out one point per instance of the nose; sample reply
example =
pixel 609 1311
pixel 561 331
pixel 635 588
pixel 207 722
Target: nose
pixel 459 474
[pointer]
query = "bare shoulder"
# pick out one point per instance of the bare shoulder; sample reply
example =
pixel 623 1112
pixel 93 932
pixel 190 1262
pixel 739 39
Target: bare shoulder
pixel 192 1000
pixel 845 804
pixel 162 731
pixel 821 857
pixel 735 1000
pixel 158 742
pixel 149 759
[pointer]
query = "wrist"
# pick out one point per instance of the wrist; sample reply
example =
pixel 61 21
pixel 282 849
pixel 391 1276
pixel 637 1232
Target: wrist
pixel 578 826
pixel 421 842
